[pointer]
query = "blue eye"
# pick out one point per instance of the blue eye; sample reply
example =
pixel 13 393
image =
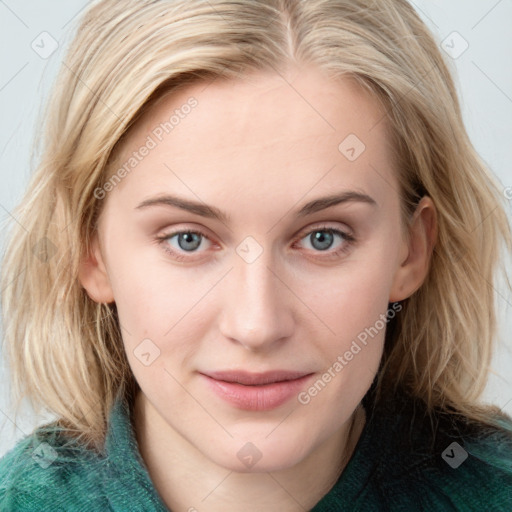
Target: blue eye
pixel 186 244
pixel 324 242
pixel 323 238
pixel 187 241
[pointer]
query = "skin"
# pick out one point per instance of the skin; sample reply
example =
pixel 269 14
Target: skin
pixel 257 149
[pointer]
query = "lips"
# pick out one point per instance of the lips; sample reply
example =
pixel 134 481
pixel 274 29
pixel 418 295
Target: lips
pixel 256 379
pixel 256 391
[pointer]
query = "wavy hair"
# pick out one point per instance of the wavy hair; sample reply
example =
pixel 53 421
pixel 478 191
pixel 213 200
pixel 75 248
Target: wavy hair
pixel 66 351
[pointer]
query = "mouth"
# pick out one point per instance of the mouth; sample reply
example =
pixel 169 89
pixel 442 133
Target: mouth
pixel 256 391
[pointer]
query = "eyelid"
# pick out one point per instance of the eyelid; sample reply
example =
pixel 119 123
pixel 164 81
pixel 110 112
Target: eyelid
pixel 301 234
pixel 324 226
pixel 166 234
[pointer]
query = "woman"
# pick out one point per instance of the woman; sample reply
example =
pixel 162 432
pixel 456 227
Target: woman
pixel 263 255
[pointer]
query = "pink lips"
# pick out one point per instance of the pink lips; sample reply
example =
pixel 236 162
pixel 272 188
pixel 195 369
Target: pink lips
pixel 257 391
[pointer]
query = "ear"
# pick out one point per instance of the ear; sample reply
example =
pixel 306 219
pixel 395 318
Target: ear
pixel 93 274
pixel 417 251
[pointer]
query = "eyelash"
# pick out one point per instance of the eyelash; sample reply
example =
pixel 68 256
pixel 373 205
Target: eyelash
pixel 348 240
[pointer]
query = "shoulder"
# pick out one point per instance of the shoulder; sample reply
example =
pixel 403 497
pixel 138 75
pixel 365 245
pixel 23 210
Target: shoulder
pixel 440 461
pixel 44 471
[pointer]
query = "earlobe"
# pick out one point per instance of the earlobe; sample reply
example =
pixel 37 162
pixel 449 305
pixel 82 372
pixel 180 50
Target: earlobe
pixel 414 268
pixel 93 275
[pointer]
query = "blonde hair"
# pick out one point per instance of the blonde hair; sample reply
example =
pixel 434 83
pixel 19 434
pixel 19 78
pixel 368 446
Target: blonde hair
pixel 66 351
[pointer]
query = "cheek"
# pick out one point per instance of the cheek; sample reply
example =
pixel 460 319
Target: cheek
pixel 353 296
pixel 353 302
pixel 158 303
pixel 144 309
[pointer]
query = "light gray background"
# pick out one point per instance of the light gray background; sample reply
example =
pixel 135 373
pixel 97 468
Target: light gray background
pixel 483 72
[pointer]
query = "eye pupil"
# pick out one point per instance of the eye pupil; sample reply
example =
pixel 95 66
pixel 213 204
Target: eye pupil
pixel 324 241
pixel 190 241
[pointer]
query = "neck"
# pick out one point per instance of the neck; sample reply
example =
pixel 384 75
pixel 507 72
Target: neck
pixel 187 480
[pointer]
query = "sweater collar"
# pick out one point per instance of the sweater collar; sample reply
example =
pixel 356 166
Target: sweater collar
pixel 125 463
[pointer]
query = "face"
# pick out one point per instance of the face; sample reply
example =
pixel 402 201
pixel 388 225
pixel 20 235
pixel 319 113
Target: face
pixel 252 309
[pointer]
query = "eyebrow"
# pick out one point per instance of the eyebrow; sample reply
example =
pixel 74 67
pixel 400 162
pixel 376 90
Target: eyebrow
pixel 211 212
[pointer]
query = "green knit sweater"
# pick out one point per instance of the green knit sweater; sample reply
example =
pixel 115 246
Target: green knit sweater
pixel 403 461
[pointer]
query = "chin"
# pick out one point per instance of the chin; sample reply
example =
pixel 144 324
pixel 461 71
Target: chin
pixel 257 454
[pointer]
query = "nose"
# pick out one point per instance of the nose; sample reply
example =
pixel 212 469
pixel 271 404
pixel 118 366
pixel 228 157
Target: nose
pixel 257 311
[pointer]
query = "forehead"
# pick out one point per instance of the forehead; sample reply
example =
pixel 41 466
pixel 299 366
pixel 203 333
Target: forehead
pixel 280 134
